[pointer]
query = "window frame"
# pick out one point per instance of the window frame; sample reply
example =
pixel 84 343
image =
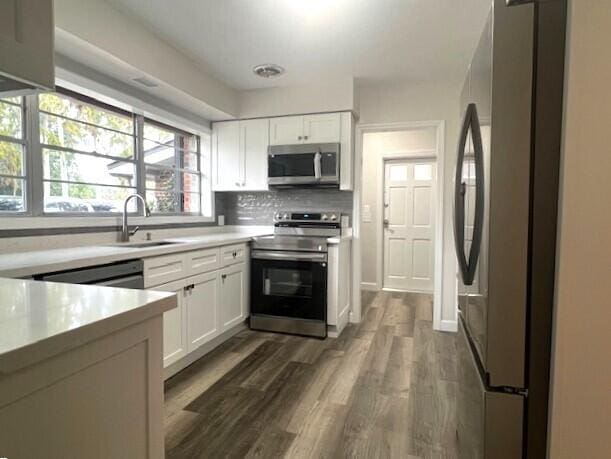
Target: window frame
pixel 34 176
pixel 178 185
pixel 25 158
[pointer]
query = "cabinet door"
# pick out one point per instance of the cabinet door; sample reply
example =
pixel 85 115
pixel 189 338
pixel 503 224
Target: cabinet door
pixel 323 128
pixel 286 130
pixel 228 167
pixel 234 294
pixel 202 300
pixel 254 140
pixel 174 333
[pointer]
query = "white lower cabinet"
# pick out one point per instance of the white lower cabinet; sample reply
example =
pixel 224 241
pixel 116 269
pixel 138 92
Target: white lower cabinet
pixel 202 301
pixel 174 336
pixel 339 286
pixel 209 303
pixel 233 297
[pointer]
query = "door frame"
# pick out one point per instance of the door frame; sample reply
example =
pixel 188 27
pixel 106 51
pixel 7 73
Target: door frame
pixel 360 131
pixel 415 156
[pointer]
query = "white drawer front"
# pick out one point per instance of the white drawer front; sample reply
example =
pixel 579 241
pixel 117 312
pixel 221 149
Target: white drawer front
pixel 232 254
pixel 202 261
pixel 160 270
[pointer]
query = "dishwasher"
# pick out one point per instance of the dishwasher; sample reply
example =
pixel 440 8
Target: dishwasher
pixel 125 274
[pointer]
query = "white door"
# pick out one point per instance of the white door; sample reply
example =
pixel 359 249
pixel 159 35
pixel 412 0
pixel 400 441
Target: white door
pixel 409 225
pixel 323 128
pixel 227 156
pixel 202 300
pixel 286 130
pixel 254 139
pixel 234 294
pixel 174 341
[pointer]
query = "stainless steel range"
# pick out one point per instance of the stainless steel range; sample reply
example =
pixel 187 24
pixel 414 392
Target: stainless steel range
pixel 289 273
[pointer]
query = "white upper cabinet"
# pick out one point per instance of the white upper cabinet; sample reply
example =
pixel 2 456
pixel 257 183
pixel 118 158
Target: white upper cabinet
pixel 286 130
pixel 239 148
pixel 240 155
pixel 290 130
pixel 324 128
pixel 26 46
pixel 254 140
pixel 227 159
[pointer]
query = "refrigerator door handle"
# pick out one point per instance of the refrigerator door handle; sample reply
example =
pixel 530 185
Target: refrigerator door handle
pixel 459 199
pixel 478 225
pixel 469 266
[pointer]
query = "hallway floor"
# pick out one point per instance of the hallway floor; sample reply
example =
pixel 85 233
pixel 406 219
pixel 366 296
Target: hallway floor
pixel 385 389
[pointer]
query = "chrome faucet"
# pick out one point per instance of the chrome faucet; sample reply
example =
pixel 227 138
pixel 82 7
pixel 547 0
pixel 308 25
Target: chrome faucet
pixel 125 232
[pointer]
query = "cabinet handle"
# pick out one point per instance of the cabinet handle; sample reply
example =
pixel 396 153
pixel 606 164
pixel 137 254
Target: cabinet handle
pixel 299 138
pixel 305 137
pixel 189 287
pixel 223 276
pixel 237 183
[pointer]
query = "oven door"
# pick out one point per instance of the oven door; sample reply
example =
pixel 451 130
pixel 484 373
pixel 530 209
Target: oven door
pixel 289 284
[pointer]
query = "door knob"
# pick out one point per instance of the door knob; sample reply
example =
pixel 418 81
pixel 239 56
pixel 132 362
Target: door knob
pixel 386 223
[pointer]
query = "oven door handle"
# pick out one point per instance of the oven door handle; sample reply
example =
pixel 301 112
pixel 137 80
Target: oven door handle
pixel 289 256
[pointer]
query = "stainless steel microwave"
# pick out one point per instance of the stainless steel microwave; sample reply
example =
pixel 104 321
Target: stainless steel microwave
pixel 316 164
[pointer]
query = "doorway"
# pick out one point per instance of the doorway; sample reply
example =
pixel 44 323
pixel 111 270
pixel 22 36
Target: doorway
pixel 422 268
pixel 408 228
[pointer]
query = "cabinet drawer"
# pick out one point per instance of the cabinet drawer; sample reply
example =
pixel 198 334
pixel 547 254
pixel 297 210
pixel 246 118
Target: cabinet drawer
pixel 203 261
pixel 232 254
pixel 159 270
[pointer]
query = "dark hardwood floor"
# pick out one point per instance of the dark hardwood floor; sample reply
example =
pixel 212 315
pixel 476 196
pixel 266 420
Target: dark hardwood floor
pixel 384 389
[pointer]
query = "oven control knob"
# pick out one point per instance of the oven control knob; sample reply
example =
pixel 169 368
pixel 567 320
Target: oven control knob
pixel 333 217
pixel 278 216
pixel 324 217
pixel 285 216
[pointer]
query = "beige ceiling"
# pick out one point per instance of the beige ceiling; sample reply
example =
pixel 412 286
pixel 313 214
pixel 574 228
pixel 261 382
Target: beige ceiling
pixel 371 40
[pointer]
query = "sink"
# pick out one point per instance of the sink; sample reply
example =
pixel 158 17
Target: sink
pixel 144 245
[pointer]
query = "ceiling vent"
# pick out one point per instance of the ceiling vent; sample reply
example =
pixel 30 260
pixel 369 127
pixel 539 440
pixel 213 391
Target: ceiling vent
pixel 146 82
pixel 268 70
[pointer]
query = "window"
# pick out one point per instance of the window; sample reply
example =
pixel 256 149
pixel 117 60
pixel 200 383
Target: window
pixel 171 162
pixel 87 157
pixel 12 156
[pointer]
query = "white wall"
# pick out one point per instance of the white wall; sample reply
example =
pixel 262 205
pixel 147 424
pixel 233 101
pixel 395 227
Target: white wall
pixel 403 101
pixel 327 96
pixel 581 375
pixel 114 36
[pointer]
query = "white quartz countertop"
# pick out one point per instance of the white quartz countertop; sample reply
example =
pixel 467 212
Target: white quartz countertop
pixel 41 319
pixel 26 264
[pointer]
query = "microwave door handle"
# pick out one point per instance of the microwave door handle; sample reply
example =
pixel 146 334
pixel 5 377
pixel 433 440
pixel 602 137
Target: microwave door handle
pixel 317 174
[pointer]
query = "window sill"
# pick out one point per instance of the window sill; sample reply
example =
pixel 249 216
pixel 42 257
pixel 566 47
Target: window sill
pixel 16 223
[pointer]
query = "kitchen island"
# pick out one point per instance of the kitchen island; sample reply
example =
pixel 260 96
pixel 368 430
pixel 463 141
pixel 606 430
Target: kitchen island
pixel 80 370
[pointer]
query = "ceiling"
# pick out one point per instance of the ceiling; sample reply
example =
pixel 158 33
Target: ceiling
pixel 370 40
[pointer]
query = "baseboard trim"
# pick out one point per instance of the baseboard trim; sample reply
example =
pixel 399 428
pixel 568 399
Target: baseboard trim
pixel 369 286
pixel 448 326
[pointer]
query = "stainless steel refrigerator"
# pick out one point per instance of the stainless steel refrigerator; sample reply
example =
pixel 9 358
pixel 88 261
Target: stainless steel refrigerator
pixel 505 212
